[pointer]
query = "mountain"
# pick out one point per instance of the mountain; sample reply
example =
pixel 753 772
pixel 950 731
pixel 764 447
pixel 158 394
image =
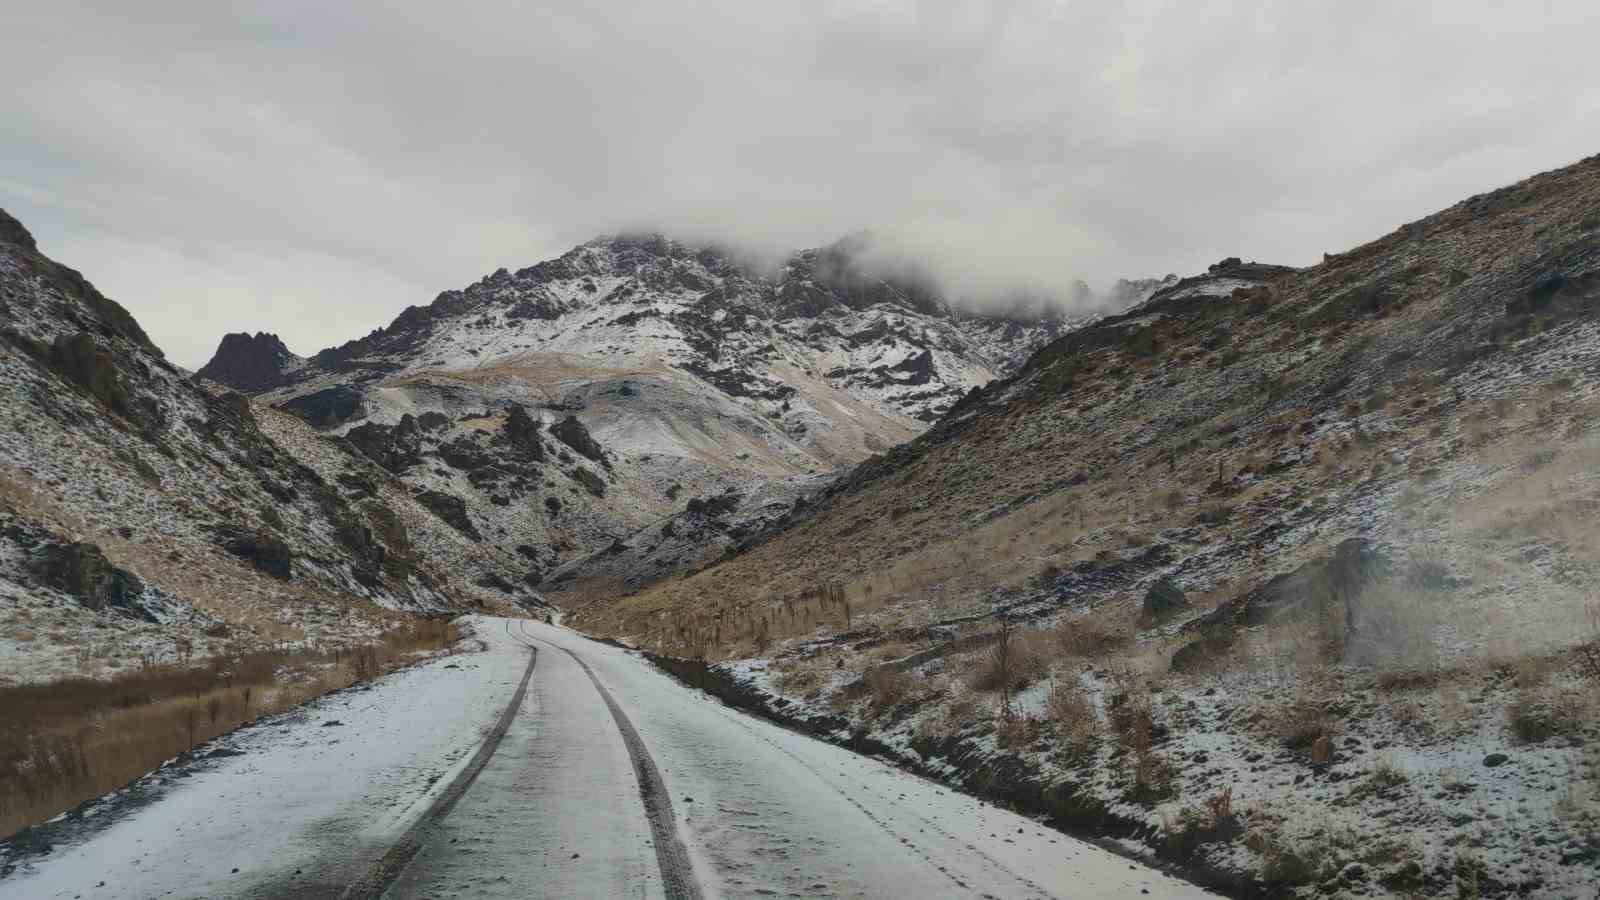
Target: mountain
pixel 1267 572
pixel 140 510
pixel 645 381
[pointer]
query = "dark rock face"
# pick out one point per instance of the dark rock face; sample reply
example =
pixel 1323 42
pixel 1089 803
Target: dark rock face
pixel 326 408
pixel 249 364
pixel 433 421
pixel 1163 599
pixel 83 571
pixel 591 482
pixel 716 506
pixel 521 431
pixel 1336 579
pixel 464 453
pixel 571 432
pixel 12 232
pixel 1202 654
pixel 396 449
pixel 452 510
pixel 81 358
pixel 495 581
pixel 919 367
pixel 265 552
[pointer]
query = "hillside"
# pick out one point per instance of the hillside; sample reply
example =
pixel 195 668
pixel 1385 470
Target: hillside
pixel 667 400
pixel 1268 558
pixel 145 517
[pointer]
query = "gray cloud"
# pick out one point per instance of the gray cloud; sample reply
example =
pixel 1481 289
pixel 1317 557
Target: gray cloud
pixel 312 168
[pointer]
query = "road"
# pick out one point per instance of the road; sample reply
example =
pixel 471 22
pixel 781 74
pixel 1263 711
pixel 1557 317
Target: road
pixel 585 774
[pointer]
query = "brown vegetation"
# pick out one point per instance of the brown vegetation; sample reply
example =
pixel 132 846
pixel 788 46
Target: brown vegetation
pixel 68 741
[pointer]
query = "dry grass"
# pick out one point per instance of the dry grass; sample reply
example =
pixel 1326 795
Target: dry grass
pixel 1027 661
pixel 1537 715
pixel 68 741
pixel 886 689
pixel 1072 715
pixel 1302 722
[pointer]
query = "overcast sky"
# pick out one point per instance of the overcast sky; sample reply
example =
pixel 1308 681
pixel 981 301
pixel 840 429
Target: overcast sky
pixel 313 168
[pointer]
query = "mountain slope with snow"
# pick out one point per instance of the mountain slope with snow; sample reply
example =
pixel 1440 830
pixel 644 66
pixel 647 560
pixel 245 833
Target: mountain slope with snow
pixel 141 511
pixel 677 373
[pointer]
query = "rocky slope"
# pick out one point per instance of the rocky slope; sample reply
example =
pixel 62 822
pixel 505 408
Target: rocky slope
pixel 576 418
pixel 141 512
pixel 1302 562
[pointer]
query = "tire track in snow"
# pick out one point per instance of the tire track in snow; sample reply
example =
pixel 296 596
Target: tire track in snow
pixel 736 717
pixel 677 874
pixel 383 873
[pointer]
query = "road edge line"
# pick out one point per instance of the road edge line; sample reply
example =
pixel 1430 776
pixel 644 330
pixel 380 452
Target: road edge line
pixel 383 873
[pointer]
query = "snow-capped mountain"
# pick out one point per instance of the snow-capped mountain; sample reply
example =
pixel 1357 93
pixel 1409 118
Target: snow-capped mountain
pixel 644 373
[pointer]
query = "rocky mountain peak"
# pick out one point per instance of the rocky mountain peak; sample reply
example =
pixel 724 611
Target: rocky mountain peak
pixel 250 363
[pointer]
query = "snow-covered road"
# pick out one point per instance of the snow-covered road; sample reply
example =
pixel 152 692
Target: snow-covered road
pixel 573 802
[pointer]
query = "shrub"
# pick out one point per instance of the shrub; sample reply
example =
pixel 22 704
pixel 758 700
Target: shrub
pixel 1074 718
pixel 886 689
pixel 1303 722
pixel 1017 731
pixel 1537 716
pixel 1387 772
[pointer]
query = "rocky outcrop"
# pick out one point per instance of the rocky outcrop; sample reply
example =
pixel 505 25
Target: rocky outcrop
pixel 262 550
pixel 464 453
pixel 521 431
pixel 450 509
pixel 1163 599
pixel 82 570
pixel 591 482
pixel 251 364
pixel 90 366
pixel 13 232
pixel 571 432
pixel 396 448
pixel 326 408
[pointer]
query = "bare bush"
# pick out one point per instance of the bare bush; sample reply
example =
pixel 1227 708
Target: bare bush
pixel 1302 722
pixel 886 689
pixel 1074 718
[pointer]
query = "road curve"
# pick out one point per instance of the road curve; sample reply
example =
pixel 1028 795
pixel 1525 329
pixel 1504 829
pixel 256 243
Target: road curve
pixel 604 778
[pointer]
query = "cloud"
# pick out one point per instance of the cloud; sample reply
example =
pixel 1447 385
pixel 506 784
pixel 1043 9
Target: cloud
pixel 312 168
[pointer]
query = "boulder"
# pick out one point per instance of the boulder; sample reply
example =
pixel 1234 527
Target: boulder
pixel 1163 599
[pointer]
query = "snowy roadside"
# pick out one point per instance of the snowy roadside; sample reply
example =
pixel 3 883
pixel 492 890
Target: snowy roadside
pixel 1391 817
pixel 334 779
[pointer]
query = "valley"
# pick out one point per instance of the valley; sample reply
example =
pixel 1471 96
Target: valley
pixel 1276 580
